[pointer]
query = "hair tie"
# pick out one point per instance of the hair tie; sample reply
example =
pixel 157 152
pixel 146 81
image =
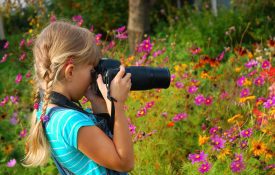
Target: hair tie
pixel 44 118
pixel 36 106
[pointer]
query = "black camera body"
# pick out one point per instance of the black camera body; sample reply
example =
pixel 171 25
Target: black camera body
pixel 142 77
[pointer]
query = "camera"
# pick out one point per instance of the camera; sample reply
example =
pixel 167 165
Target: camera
pixel 142 77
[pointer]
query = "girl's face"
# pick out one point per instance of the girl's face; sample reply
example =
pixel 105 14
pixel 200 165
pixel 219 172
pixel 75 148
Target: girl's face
pixel 80 81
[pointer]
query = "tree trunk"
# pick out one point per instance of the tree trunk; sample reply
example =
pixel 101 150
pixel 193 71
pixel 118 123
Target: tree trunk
pixel 138 22
pixel 2 33
pixel 214 7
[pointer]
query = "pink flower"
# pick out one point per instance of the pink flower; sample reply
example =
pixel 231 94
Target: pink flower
pixel 149 105
pixel 246 133
pixel 241 81
pixel 28 74
pixel 141 112
pixel 199 99
pixel 179 85
pixel 11 163
pixel 132 129
pixel 97 38
pixel 4 58
pixel 18 78
pixel 6 45
pixel 78 19
pixel 266 64
pixel 29 42
pixel 173 76
pixel 197 157
pixel 208 101
pixel 164 114
pixel 259 81
pixel 22 42
pixel 22 56
pixel 145 46
pixel 92 28
pixel 245 92
pixel 192 89
pixel 23 133
pixel 180 117
pixel 205 167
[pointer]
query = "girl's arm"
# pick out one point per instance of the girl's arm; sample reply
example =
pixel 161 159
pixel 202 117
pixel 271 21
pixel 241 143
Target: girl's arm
pixel 116 154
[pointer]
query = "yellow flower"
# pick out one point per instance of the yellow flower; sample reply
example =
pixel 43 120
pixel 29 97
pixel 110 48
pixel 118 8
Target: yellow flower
pixel 244 99
pixel 272 112
pixel 180 67
pixel 224 153
pixel 258 148
pixel 247 83
pixel 250 55
pixel 238 69
pixel 269 155
pixel 204 75
pixel 8 149
pixel 30 31
pixel 235 117
pixel 203 139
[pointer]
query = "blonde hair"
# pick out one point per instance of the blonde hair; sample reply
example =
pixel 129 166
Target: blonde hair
pixel 58 42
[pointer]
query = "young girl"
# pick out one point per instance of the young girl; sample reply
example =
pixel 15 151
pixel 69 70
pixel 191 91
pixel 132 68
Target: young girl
pixel 64 56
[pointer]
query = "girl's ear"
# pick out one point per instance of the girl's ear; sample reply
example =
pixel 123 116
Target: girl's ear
pixel 69 72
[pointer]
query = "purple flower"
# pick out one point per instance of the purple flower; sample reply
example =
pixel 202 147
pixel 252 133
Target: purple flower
pixel 251 63
pixel 145 46
pixel 241 81
pixel 245 92
pixel 192 89
pixel 266 64
pixel 217 142
pixel 179 85
pixel 14 99
pixel 237 166
pixel 199 99
pixel 11 163
pixel 246 133
pixel 4 101
pixel 180 117
pixel 18 78
pixel 270 102
pixel 205 167
pixel 13 119
pixel 269 166
pixel 259 81
pixel 243 144
pixel 213 130
pixel 208 101
pixel 197 157
pixel 132 128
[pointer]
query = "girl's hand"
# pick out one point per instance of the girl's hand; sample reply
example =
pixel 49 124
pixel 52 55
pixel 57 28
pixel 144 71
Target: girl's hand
pixel 120 86
pixel 98 103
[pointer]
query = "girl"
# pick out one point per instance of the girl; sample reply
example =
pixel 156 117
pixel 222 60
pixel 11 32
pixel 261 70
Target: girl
pixel 64 56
